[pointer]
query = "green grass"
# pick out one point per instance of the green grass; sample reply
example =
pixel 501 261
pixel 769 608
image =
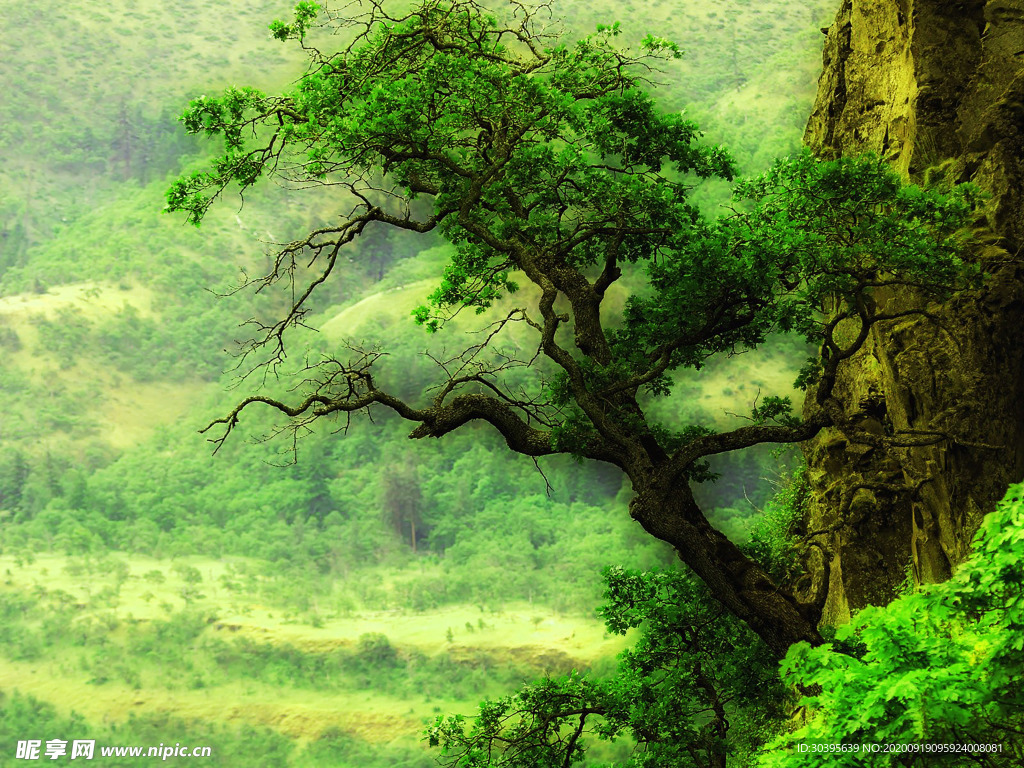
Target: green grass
pixel 110 407
pixel 119 602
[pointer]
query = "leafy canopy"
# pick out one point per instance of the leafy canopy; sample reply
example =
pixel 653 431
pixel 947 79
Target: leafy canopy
pixel 545 160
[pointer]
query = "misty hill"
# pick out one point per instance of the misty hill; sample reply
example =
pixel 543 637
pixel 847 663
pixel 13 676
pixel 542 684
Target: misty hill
pixel 114 355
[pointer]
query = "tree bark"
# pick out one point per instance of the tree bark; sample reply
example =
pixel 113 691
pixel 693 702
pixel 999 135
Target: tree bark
pixel 670 513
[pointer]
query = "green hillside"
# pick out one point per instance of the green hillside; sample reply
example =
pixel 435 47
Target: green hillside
pixel 317 607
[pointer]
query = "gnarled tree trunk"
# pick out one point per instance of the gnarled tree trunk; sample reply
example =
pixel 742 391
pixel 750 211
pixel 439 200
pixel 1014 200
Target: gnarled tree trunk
pixel 668 511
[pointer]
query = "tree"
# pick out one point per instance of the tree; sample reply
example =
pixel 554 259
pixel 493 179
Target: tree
pixel 548 161
pixel 401 501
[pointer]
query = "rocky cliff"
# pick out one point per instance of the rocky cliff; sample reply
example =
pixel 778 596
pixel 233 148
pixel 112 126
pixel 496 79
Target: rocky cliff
pixel 937 88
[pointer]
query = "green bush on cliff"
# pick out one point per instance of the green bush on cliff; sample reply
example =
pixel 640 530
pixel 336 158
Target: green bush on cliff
pixel 934 669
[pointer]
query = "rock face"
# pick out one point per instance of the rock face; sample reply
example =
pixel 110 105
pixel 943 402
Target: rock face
pixel 937 88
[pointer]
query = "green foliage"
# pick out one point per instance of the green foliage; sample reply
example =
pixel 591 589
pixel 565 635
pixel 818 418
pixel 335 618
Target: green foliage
pixel 771 541
pixel 375 650
pixel 857 218
pixel 774 408
pixel 806 234
pixel 549 158
pixel 65 335
pixel 938 666
pixel 430 116
pixel 697 685
pixel 942 665
pixel 188 574
pixel 305 12
pixel 10 341
pixel 494 532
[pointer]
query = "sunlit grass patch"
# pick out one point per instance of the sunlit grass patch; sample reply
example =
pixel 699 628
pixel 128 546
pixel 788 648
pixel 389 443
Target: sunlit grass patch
pixel 140 636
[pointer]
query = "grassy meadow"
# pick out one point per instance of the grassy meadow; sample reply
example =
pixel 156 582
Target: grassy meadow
pixel 115 637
